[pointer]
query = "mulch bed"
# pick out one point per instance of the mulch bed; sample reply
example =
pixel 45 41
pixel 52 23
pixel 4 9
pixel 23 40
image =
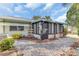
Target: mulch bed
pixel 7 52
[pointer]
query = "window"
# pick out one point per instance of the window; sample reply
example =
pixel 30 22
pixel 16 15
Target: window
pixel 50 28
pixel 13 28
pixel 16 28
pixel 34 28
pixel 45 28
pixel 61 28
pixel 55 28
pixel 37 28
pixel 40 27
pixel 20 28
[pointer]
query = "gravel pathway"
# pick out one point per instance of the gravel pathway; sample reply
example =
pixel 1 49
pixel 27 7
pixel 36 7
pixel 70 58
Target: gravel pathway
pixel 56 44
pixel 36 49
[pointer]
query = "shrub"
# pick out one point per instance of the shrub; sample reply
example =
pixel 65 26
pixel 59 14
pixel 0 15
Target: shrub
pixel 65 31
pixel 17 35
pixel 78 32
pixel 6 44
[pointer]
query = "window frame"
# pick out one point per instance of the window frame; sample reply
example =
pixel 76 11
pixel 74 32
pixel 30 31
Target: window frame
pixel 17 28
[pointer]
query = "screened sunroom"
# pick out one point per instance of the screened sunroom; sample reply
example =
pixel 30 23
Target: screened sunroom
pixel 43 29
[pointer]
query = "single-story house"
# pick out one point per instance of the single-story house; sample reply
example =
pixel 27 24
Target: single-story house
pixel 10 25
pixel 42 29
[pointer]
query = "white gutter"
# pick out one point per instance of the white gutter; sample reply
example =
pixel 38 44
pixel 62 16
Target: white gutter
pixel 13 24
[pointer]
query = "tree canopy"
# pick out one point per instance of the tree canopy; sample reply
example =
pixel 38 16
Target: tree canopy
pixel 36 17
pixel 73 16
pixel 48 18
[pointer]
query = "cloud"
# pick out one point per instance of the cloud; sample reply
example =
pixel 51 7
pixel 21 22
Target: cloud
pixel 59 11
pixel 9 10
pixel 32 5
pixel 5 4
pixel 31 9
pixel 18 8
pixel 61 18
pixel 6 7
pixel 56 14
pixel 17 15
pixel 48 6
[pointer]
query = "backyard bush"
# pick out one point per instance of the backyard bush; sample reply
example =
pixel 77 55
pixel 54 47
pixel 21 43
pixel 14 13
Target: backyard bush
pixel 6 44
pixel 78 32
pixel 65 31
pixel 17 35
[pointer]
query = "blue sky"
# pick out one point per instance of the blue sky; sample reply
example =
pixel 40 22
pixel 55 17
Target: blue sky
pixel 28 10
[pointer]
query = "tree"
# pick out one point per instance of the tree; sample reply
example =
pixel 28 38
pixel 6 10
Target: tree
pixel 48 18
pixel 65 4
pixel 73 16
pixel 36 17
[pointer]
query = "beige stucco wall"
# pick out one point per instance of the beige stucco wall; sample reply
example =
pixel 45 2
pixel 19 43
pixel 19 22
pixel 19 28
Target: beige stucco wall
pixel 7 28
pixel 7 31
pixel 1 29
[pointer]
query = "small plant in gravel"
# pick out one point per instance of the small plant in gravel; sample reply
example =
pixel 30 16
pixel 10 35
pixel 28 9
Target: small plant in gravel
pixel 75 44
pixel 6 44
pixel 17 35
pixel 19 53
pixel 70 51
pixel 65 52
